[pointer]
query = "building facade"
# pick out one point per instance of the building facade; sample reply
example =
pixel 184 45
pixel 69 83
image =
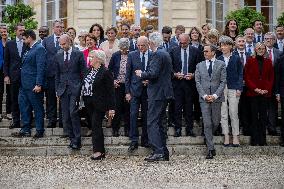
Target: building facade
pixel 81 14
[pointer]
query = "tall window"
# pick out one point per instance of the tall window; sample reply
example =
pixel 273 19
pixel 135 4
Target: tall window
pixel 215 13
pixel 55 10
pixel 267 8
pixel 140 12
pixel 3 4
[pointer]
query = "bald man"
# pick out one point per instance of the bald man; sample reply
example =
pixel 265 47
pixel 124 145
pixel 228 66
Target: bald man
pixel 184 60
pixel 70 66
pixel 136 91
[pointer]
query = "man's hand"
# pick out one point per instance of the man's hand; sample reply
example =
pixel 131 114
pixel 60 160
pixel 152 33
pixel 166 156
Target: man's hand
pixel 7 80
pixel 128 97
pixel 179 75
pixel 138 73
pixel 116 83
pixel 257 90
pixel 37 89
pixel 238 93
pixel 278 98
pixel 189 76
pixel 208 98
pixel 145 82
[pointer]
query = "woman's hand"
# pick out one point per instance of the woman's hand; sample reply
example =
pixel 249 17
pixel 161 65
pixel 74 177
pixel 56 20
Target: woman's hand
pixel 111 114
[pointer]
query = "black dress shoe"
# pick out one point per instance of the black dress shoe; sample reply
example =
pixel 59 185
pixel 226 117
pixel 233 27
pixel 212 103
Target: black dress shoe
pixel 15 125
pixel 63 136
pixel 156 157
pixel 21 134
pixel 190 133
pixel 177 133
pixel 213 152
pixel 1 117
pixel 115 133
pixel 75 147
pixel 145 145
pixel 133 146
pixel 209 155
pixel 51 125
pixel 100 157
pixel 38 135
pixel 273 133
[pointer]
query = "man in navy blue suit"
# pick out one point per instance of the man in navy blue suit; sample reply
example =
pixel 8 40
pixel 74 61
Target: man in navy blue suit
pixel 51 45
pixel 159 92
pixel 136 30
pixel 70 66
pixel 136 91
pixel 32 84
pixel 184 59
pixel 258 28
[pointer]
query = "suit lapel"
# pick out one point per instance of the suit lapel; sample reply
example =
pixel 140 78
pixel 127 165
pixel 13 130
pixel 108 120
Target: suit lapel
pixel 215 66
pixel 180 61
pixel 189 61
pixel 205 70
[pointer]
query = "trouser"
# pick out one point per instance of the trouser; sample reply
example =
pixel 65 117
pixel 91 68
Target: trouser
pixel 244 112
pixel 156 131
pixel 1 88
pixel 282 119
pixel 134 110
pixel 70 116
pixel 122 109
pixel 28 101
pixel 211 114
pixel 231 103
pixel 51 100
pixel 15 87
pixel 272 113
pixel 258 114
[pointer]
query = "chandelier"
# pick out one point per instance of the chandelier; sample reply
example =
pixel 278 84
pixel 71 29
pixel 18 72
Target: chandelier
pixel 127 11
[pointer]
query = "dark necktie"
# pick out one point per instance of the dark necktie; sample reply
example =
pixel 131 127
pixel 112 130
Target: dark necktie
pixel 242 58
pixel 66 59
pixel 210 68
pixel 280 45
pixel 184 68
pixel 167 46
pixel 143 62
pixel 258 38
pixel 249 50
pixel 57 42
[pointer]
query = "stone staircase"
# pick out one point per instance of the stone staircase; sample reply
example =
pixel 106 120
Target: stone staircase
pixel 54 144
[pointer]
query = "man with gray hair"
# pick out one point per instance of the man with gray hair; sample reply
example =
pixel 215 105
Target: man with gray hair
pixel 69 67
pixel 117 66
pixel 136 91
pixel 136 31
pixel 249 36
pixel 273 54
pixel 159 91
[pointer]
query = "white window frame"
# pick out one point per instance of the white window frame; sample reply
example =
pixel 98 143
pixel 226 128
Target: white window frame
pixel 55 14
pixel 137 13
pixel 213 13
pixel 258 9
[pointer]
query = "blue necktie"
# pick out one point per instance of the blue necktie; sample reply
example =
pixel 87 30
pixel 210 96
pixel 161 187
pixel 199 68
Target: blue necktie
pixel 184 67
pixel 143 62
pixel 249 50
pixel 210 68
pixel 258 38
pixel 57 43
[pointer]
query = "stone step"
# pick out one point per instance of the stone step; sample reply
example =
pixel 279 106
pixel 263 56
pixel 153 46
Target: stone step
pixel 188 150
pixel 5 132
pixel 58 141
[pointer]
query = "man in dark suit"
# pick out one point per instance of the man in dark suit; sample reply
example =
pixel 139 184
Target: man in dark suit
pixel 168 44
pixel 244 103
pixel 159 92
pixel 70 66
pixel 32 84
pixel 51 45
pixel 258 28
pixel 273 54
pixel 136 31
pixel 136 91
pixel 279 90
pixel 14 51
pixel 179 30
pixel 43 32
pixel 279 43
pixel 210 77
pixel 184 60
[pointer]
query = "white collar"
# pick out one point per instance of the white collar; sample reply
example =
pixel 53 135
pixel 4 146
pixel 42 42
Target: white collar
pixel 18 40
pixel 33 45
pixel 69 51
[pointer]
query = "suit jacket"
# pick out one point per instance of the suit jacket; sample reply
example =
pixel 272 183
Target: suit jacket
pixel 1 55
pixel 103 98
pixel 34 67
pixel 133 83
pixel 215 84
pixel 254 79
pixel 193 59
pixel 159 76
pixel 170 47
pixel 132 47
pixel 279 76
pixel 69 75
pixel 12 61
pixel 174 40
pixel 234 72
pixel 51 50
pixel 276 54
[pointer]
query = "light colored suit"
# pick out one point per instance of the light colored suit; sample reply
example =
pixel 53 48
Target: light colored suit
pixel 206 85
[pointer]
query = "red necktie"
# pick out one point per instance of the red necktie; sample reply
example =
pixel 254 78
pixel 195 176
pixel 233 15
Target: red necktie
pixel 270 54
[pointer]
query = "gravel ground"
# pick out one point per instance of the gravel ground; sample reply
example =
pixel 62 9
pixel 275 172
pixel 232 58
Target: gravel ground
pixel 132 172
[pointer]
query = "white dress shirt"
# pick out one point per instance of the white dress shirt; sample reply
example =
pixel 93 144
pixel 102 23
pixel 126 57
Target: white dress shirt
pixel 55 39
pixel 207 66
pixel 146 58
pixel 227 59
pixel 280 44
pixel 69 54
pixel 244 54
pixel 267 49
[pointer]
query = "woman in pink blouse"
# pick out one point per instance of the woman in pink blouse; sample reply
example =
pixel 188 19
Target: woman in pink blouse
pixel 91 42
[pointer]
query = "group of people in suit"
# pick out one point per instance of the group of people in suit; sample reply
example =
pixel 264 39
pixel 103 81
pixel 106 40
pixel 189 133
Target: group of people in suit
pixel 200 74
